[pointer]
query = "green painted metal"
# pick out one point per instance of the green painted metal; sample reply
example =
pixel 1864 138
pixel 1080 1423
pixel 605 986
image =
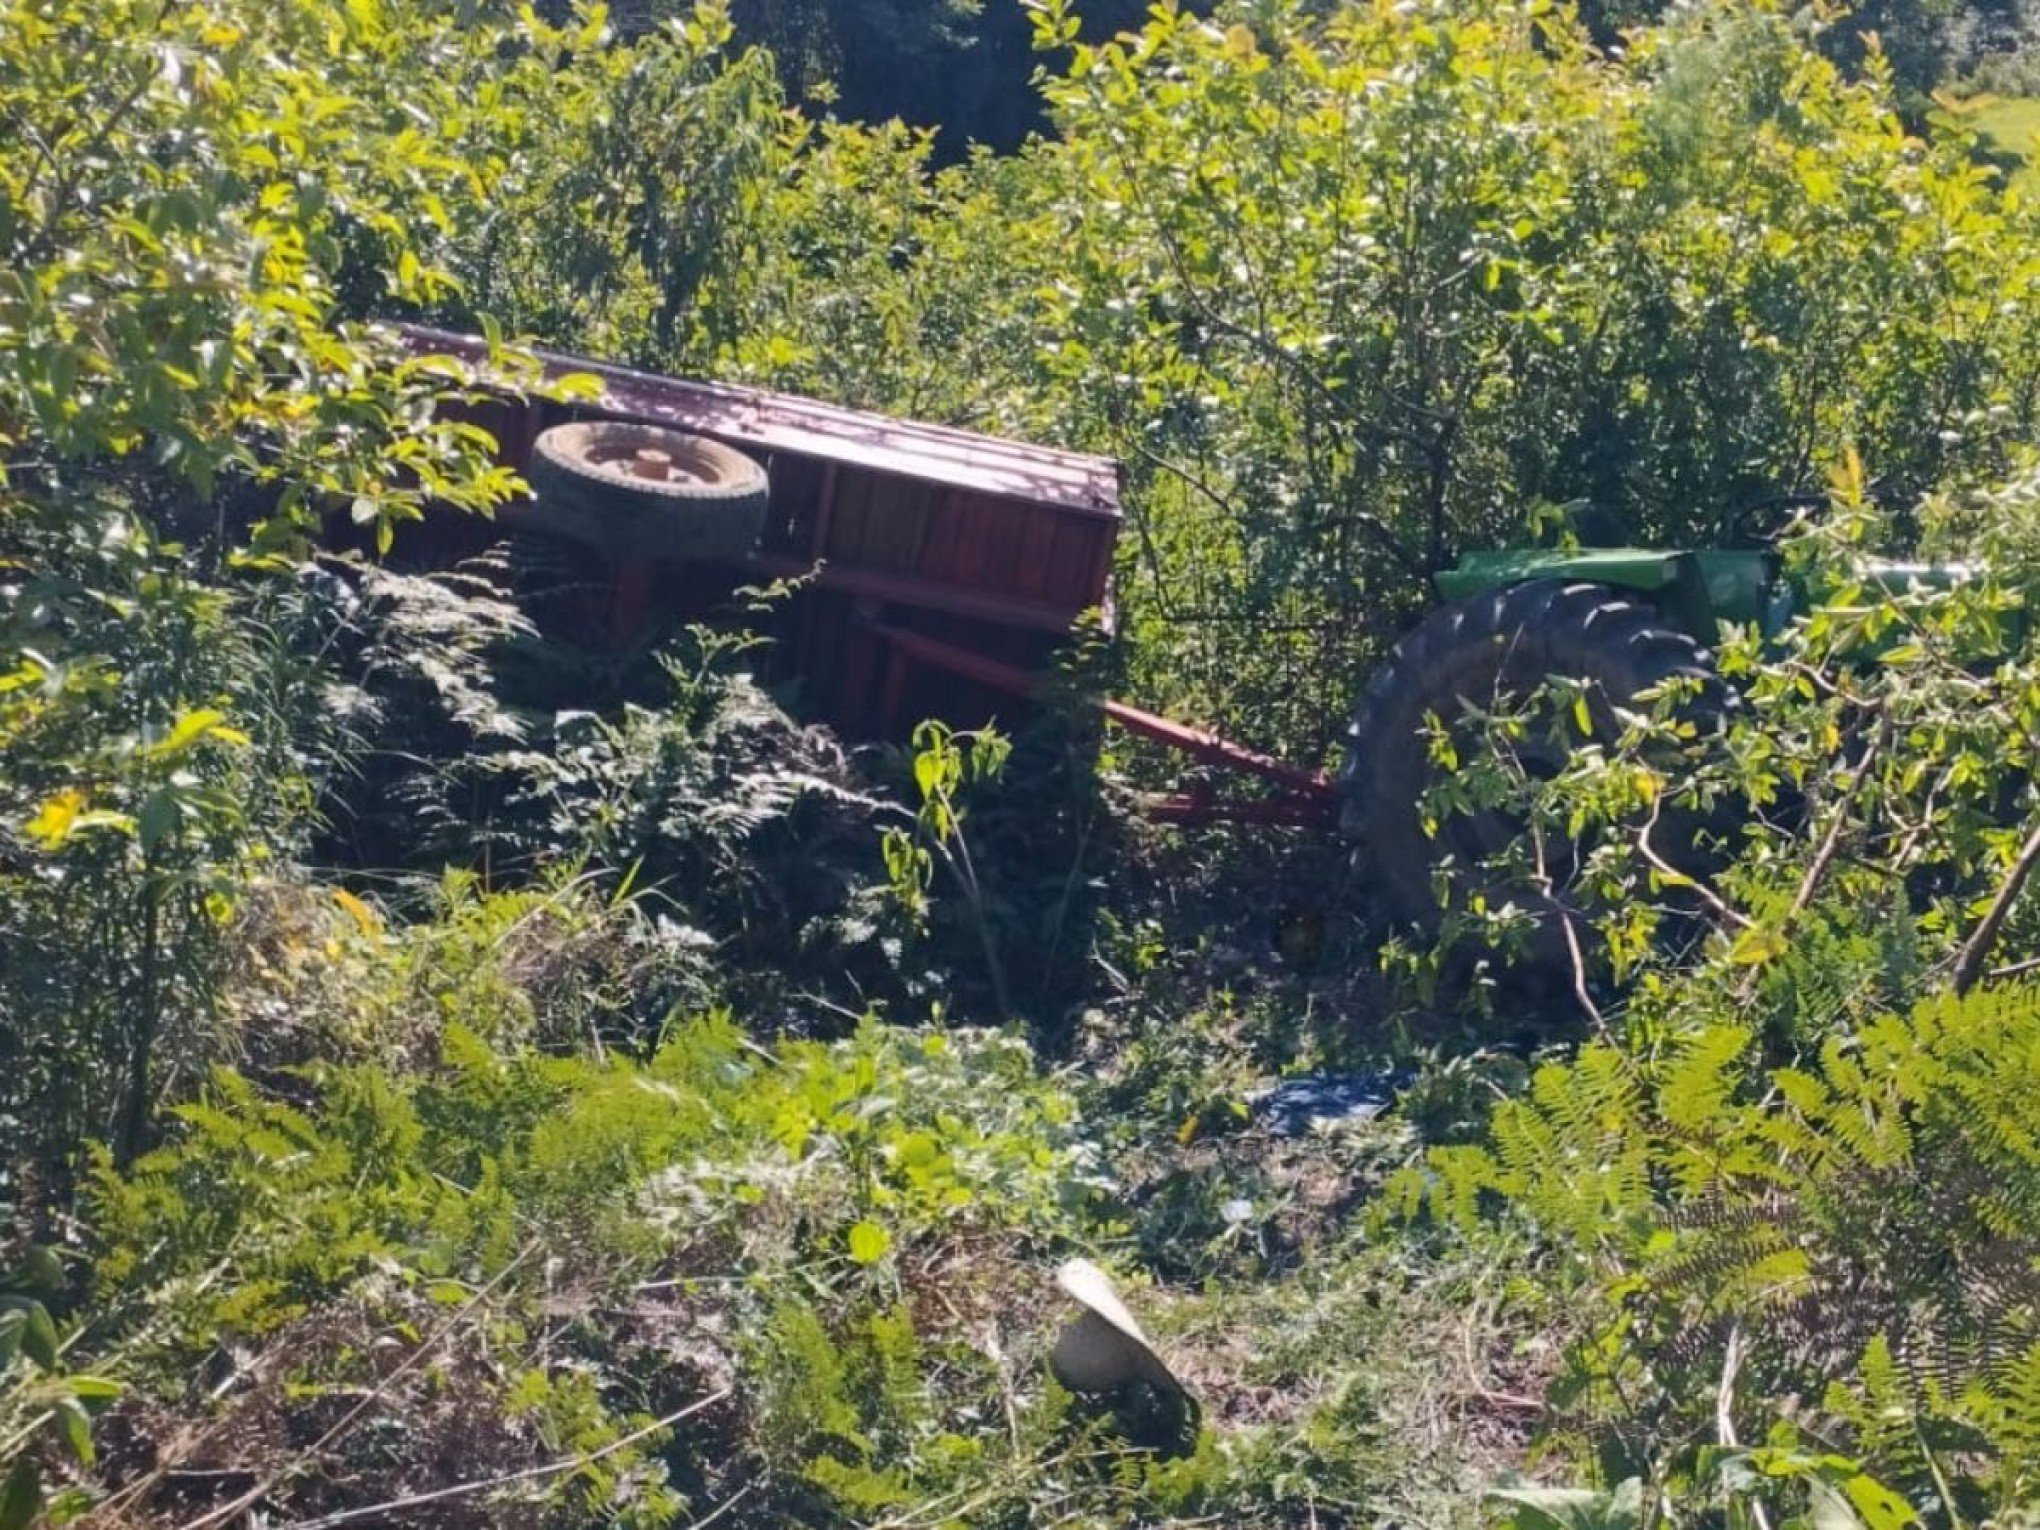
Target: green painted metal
pixel 1696 590
pixel 1628 568
pixel 1738 588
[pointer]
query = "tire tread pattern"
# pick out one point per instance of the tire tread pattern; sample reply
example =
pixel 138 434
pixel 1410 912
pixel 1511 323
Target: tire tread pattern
pixel 1505 639
pixel 574 496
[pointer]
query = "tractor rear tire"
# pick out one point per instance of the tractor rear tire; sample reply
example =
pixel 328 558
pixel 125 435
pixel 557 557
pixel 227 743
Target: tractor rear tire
pixel 1494 650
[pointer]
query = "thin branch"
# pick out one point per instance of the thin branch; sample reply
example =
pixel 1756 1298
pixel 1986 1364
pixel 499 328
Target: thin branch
pixel 61 193
pixel 1824 857
pixel 1439 450
pixel 1572 939
pixel 1678 878
pixel 1149 554
pixel 963 871
pixel 1724 1409
pixel 1579 974
pixel 1272 351
pixel 290 1468
pixel 724 1507
pixel 1940 1477
pixel 529 1474
pixel 1190 480
pixel 1969 966
pixel 1831 841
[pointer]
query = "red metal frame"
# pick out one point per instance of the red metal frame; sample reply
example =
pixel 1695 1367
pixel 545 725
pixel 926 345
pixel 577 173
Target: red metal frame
pixel 1307 798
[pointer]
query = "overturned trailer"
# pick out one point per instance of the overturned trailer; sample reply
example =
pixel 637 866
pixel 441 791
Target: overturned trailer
pixel 939 570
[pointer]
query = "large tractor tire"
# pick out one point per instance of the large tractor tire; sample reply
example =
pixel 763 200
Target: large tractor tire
pixel 1493 650
pixel 639 494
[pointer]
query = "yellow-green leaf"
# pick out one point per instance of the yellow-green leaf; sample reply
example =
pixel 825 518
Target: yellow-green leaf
pixel 1757 945
pixel 868 1242
pixel 204 722
pixel 51 825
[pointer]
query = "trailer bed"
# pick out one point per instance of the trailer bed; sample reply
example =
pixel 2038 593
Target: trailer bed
pixel 970 541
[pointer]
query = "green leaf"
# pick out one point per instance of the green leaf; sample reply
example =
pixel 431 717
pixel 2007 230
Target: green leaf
pixel 1877 1505
pixel 927 773
pixel 1574 1508
pixel 1757 945
pixel 160 815
pixel 39 1335
pixel 54 820
pixel 77 1426
pixel 868 1242
pixel 21 1496
pixel 39 1270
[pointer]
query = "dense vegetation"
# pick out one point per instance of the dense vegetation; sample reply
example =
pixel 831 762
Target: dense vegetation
pixel 447 1077
pixel 962 67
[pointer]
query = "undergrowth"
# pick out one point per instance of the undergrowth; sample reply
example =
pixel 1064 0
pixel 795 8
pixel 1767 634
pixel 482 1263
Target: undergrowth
pixel 439 1231
pixel 452 1076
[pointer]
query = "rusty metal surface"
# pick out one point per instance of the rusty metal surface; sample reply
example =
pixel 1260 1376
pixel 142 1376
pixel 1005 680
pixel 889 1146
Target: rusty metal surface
pixel 781 422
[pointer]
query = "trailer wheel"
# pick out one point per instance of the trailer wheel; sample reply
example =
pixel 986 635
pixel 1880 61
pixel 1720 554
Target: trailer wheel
pixel 1497 647
pixel 598 482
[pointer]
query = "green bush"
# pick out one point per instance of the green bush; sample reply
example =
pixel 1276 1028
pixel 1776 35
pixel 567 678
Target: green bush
pixel 161 745
pixel 1838 1252
pixel 197 203
pixel 1349 294
pixel 801 1185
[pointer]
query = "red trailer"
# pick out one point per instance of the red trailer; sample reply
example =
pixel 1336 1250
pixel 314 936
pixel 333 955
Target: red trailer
pixel 940 568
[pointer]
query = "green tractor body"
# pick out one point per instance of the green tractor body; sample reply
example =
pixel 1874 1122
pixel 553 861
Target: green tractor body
pixel 1696 591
